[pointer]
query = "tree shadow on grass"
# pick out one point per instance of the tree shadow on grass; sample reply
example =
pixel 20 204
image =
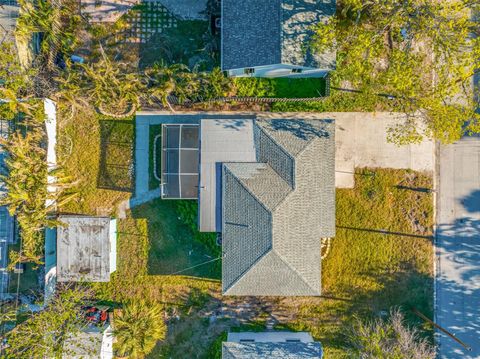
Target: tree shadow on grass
pixel 173 249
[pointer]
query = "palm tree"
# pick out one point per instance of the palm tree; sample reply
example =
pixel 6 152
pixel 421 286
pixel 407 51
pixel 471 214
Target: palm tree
pixel 167 80
pixel 56 23
pixel 28 188
pixel 114 88
pixel 137 328
pixel 215 84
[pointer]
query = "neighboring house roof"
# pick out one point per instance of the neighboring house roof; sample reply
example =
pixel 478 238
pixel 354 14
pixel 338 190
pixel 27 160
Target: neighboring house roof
pixel 276 211
pixel 296 350
pixel 266 32
pixel 83 249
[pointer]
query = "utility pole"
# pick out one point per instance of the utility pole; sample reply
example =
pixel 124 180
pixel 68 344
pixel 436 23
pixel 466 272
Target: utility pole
pixel 428 320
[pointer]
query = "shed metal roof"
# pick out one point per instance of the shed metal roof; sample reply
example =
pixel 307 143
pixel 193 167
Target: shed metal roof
pixel 83 249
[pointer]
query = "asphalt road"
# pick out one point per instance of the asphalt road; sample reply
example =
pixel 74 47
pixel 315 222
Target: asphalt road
pixel 458 249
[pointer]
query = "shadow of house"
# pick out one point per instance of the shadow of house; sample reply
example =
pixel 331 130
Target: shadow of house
pixel 173 250
pixel 116 155
pixel 302 129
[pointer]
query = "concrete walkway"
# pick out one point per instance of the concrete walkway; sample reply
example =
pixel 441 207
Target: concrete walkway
pixel 457 305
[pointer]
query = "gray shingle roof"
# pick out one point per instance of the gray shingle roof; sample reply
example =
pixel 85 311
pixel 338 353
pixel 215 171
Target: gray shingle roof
pixel 83 249
pixel 299 350
pixel 275 212
pixel 266 32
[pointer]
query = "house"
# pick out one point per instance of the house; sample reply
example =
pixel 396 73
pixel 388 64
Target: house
pixel 92 342
pixel 82 248
pixel 271 345
pixel 276 210
pixel 266 184
pixel 271 38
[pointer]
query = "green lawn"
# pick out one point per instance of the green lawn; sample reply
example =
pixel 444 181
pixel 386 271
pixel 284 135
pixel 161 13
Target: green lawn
pixel 173 246
pixel 279 87
pixel 380 257
pixel 97 153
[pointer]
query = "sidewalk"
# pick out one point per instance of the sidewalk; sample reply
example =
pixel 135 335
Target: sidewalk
pixel 457 307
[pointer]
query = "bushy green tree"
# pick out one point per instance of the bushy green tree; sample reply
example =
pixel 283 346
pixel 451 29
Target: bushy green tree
pixel 421 53
pixel 43 334
pixel 137 328
pixel 167 80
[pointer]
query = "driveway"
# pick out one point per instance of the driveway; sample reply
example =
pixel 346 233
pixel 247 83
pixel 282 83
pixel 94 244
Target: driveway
pixel 458 249
pixel 361 141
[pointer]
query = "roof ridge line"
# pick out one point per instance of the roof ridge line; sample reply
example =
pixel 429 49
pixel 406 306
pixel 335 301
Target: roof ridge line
pixel 255 196
pixel 293 269
pixel 274 140
pixel 247 270
pixel 284 151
